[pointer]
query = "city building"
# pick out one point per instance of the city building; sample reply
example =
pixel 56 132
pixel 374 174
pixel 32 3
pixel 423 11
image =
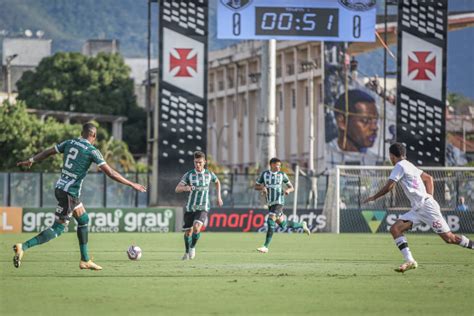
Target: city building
pixel 233 102
pixel 94 46
pixel 20 55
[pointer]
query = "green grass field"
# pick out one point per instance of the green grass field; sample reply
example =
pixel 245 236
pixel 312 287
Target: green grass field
pixel 323 274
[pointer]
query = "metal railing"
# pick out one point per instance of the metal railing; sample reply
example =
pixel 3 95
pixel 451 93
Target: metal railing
pixel 27 189
pixel 37 190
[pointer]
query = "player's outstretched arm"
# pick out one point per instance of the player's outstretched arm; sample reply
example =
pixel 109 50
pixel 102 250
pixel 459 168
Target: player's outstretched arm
pixel 289 188
pixel 219 197
pixel 428 181
pixel 41 156
pixel 387 188
pixel 183 187
pixel 111 173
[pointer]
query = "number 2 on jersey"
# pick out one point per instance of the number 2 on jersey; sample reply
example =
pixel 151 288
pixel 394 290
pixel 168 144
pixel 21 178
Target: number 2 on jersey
pixel 72 155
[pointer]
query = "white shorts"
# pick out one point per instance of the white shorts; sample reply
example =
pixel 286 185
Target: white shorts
pixel 430 214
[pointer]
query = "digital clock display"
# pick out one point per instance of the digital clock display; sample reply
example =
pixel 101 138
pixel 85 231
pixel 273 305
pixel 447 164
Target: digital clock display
pixel 306 20
pixel 297 21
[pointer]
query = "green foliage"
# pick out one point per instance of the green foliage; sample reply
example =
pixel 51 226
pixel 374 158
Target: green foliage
pixel 116 154
pixel 23 135
pixel 459 102
pixel 74 82
pixel 213 166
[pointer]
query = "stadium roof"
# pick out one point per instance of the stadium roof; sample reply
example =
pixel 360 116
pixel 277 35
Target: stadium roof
pixel 456 21
pixel 77 116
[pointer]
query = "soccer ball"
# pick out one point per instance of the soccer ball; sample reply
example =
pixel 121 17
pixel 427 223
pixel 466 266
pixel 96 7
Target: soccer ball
pixel 134 252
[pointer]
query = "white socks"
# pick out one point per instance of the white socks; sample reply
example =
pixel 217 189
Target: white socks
pixel 465 242
pixel 402 244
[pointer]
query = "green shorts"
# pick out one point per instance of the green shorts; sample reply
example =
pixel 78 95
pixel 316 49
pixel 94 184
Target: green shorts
pixel 276 209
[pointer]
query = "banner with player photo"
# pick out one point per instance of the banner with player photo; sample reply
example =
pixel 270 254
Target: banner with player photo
pixel 421 80
pixel 354 112
pixel 380 221
pixel 182 100
pixel 254 220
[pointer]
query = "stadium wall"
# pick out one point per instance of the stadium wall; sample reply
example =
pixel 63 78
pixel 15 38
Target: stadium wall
pixel 102 220
pixel 170 219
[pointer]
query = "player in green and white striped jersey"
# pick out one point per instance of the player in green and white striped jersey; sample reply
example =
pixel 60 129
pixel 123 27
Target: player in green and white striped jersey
pixel 271 184
pixel 79 154
pixel 196 182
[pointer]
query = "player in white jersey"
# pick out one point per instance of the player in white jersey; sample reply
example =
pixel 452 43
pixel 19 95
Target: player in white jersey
pixel 418 187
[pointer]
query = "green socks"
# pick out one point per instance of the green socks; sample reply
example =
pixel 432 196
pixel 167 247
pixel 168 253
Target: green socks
pixel 290 224
pixel 57 229
pixel 83 235
pixel 45 236
pixel 270 230
pixel 187 242
pixel 194 239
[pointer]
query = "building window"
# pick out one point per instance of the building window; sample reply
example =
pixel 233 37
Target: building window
pixel 281 100
pixel 290 69
pixel 306 93
pixel 293 98
pixel 235 104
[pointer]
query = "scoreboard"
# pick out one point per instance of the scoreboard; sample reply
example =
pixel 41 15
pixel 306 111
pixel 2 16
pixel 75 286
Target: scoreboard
pixel 320 20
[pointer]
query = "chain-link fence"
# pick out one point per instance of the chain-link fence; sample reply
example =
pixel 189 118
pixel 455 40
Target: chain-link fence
pixel 37 190
pixel 450 185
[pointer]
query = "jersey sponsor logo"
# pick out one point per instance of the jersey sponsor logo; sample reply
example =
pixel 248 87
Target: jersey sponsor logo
pixel 69 174
pixel 421 66
pixel 183 65
pixel 273 186
pixel 79 143
pixel 200 188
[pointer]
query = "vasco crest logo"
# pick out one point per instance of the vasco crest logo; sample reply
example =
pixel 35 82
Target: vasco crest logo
pixel 422 66
pixel 183 62
pixel 236 4
pixel 358 5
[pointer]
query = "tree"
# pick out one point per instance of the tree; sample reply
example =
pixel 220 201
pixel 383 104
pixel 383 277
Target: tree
pixel 460 103
pixel 23 135
pixel 74 82
pixel 117 155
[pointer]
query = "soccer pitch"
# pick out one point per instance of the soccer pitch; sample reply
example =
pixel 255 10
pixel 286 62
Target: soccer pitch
pixel 324 274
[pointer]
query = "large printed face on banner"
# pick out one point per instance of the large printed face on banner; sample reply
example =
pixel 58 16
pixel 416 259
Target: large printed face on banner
pixel 183 60
pixel 354 114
